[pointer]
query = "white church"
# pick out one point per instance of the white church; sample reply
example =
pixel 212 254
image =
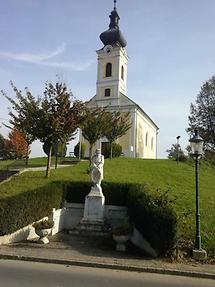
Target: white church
pixel 111 93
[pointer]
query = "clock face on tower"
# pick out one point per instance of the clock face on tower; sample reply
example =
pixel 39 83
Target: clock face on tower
pixel 108 49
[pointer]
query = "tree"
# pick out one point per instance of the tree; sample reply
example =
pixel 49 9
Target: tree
pixel 53 118
pixel 16 146
pixel 59 117
pixel 94 126
pixel 24 113
pixel 58 150
pixel 2 146
pixel 202 114
pixel 119 124
pixel 176 152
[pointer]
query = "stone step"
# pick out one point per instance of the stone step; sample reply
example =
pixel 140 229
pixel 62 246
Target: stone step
pixel 89 233
pixel 91 229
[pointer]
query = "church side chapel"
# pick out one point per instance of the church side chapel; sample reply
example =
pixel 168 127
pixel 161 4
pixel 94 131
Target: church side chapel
pixel 111 93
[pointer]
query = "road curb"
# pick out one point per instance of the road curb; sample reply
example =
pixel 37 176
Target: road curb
pixel 146 269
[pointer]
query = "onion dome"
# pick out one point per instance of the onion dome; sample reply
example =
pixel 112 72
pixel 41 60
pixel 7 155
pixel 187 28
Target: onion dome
pixel 113 35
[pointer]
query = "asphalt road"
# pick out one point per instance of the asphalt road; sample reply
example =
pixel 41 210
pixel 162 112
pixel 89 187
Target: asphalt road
pixel 31 274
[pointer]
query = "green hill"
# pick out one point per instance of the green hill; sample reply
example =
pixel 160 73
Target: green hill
pixel 178 180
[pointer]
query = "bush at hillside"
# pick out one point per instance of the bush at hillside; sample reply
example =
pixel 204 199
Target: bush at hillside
pixel 20 210
pixel 116 150
pixel 151 214
pixel 153 217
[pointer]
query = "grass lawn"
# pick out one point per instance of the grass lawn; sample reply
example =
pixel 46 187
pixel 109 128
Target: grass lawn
pixel 177 180
pixel 33 162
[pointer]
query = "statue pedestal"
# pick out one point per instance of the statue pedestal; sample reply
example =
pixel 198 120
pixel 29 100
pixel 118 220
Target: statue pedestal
pixel 92 223
pixel 94 206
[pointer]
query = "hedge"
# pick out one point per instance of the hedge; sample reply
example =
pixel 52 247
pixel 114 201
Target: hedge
pixel 150 214
pixel 116 150
pixel 25 208
pixel 153 217
pixel 115 193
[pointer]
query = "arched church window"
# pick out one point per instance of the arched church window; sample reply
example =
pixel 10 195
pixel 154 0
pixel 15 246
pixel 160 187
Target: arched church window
pixel 107 92
pixel 108 72
pixel 146 138
pixel 122 73
pixel 152 143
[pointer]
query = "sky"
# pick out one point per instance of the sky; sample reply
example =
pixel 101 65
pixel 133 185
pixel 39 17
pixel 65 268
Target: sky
pixel 170 43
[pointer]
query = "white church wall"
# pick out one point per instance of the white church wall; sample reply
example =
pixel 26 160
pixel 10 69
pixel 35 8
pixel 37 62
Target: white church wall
pixel 128 141
pixel 146 148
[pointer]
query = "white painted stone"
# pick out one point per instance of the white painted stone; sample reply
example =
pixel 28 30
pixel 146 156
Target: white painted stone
pixel 43 234
pixel 58 217
pixel 199 254
pixel 121 242
pixel 73 215
pixel 25 233
pixel 138 240
pixel 94 206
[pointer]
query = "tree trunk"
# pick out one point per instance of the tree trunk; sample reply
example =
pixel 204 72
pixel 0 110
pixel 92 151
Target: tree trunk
pixel 27 156
pixel 49 161
pixel 26 160
pixel 56 155
pixel 111 150
pixel 91 154
pixel 62 151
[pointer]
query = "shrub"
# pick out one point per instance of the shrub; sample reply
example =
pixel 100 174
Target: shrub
pixel 76 191
pixel 23 209
pixel 43 224
pixel 116 150
pixel 150 212
pixel 115 193
pixel 153 216
pixel 182 158
pixel 83 149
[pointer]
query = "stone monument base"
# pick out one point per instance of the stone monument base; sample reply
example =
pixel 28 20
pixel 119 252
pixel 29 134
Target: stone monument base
pixel 199 254
pixel 92 222
pixel 91 229
pixel 94 206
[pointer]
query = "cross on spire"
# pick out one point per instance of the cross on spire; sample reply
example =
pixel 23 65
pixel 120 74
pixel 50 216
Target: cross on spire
pixel 114 5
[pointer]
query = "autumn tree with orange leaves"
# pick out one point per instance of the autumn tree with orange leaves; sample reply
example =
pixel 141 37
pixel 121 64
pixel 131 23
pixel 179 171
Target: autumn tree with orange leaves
pixel 16 146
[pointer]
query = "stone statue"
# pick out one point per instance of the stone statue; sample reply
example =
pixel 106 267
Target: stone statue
pixel 95 200
pixel 97 168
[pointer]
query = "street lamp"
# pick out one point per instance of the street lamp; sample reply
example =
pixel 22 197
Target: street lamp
pixel 178 137
pixel 196 144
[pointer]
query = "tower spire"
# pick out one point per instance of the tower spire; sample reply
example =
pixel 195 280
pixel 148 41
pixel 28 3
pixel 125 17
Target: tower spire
pixel 113 35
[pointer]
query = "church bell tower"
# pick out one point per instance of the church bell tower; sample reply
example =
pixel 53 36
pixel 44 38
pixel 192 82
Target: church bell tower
pixel 112 64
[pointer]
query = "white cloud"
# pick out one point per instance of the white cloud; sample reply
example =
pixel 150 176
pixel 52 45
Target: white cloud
pixel 34 58
pixel 43 59
pixel 69 65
